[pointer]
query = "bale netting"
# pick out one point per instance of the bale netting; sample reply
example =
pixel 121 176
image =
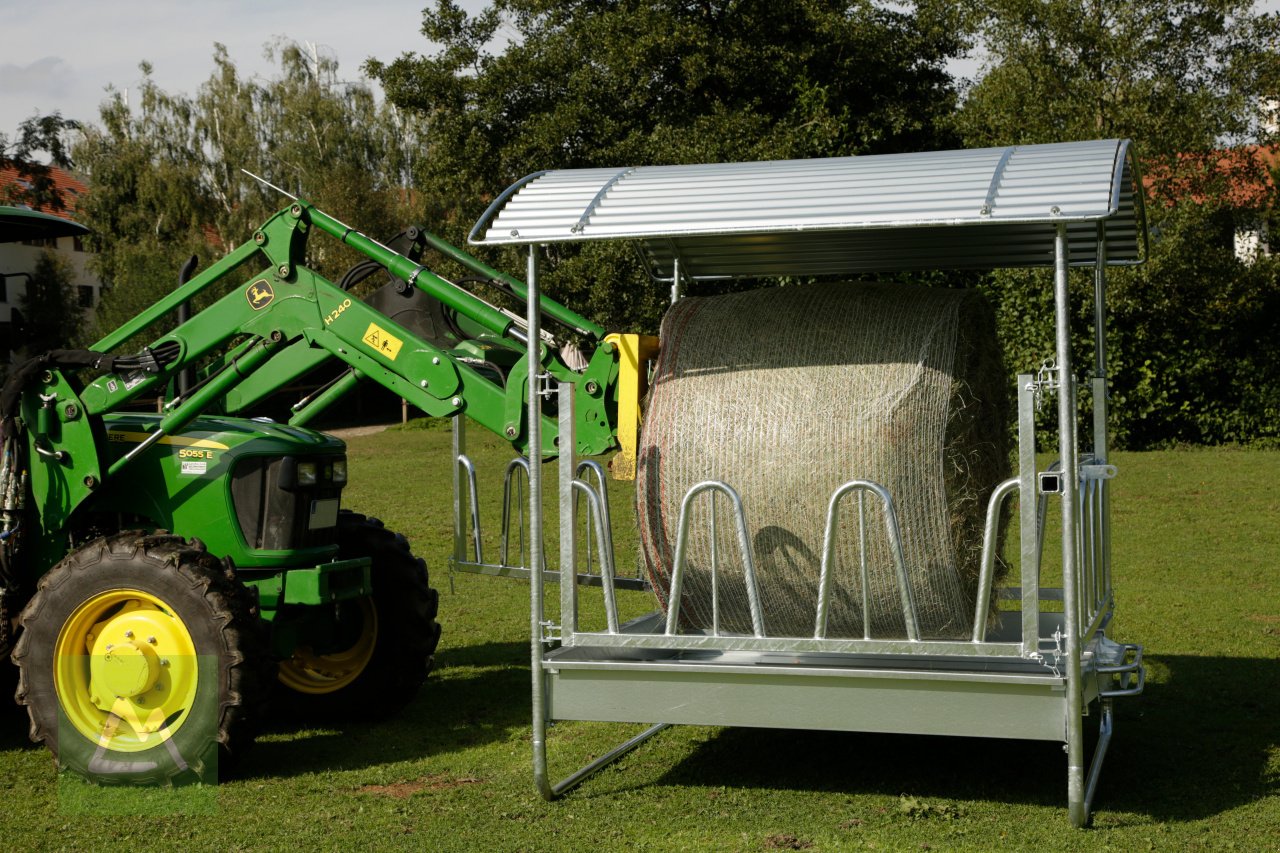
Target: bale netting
pixel 787 393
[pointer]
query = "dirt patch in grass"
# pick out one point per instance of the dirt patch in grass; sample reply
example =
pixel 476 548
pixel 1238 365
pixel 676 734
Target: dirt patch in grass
pixel 405 790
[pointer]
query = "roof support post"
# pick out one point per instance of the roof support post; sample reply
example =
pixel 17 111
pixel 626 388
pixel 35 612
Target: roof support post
pixel 1070 489
pixel 1100 449
pixel 533 317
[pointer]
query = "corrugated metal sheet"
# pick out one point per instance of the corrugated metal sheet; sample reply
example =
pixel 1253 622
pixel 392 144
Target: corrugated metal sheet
pixel 978 208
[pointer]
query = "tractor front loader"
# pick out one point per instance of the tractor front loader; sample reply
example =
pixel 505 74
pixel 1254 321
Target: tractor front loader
pixel 162 574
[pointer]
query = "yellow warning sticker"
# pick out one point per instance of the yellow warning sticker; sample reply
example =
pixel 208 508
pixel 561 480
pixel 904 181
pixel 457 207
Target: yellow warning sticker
pixel 382 341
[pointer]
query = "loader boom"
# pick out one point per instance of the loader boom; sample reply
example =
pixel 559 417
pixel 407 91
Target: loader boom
pixel 278 319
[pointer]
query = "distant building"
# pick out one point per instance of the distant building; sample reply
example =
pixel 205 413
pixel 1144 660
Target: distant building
pixel 18 259
pixel 1243 178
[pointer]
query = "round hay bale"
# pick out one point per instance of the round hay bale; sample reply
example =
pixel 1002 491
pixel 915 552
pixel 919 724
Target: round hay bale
pixel 787 393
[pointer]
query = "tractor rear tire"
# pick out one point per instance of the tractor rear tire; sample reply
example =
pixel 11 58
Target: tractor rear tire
pixel 142 662
pixel 396 644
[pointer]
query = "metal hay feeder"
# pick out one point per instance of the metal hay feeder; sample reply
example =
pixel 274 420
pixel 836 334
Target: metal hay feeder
pixel 1032 676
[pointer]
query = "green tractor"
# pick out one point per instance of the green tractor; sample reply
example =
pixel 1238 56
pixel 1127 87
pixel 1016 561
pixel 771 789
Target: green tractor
pixel 162 576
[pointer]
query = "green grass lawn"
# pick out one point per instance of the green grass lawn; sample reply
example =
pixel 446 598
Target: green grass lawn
pixel 1195 763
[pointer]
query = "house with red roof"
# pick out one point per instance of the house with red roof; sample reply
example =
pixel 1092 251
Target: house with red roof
pixel 18 258
pixel 1241 179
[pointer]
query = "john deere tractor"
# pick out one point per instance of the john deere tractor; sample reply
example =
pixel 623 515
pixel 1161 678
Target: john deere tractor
pixel 164 575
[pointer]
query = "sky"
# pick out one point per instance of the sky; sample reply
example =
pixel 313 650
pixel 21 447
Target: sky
pixel 61 54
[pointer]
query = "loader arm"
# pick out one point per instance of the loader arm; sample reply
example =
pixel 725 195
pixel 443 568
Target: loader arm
pixel 307 320
pixel 277 318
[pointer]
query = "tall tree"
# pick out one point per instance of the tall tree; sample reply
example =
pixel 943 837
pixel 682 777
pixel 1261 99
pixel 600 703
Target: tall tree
pixel 1179 75
pixel 637 82
pixel 1187 81
pixel 165 176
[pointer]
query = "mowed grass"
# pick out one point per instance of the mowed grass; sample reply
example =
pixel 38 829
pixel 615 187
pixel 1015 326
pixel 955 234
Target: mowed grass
pixel 1195 763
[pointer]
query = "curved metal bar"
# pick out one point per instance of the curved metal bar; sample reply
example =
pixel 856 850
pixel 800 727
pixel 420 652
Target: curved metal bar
pixel 590 466
pixel 829 551
pixel 606 559
pixel 744 544
pixel 996 176
pixel 597 470
pixel 520 462
pixel 501 200
pixel 985 579
pixel 581 225
pixel 464 462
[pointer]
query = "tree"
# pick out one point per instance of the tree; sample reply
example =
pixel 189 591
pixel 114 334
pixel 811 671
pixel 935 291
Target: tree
pixel 1179 76
pixel 35 135
pixel 165 178
pixel 50 308
pixel 1184 79
pixel 640 82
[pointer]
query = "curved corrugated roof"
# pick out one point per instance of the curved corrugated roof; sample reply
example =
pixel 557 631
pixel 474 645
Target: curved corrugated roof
pixel 976 208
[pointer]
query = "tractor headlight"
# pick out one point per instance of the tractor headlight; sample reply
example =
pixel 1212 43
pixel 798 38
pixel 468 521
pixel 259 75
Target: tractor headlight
pixel 306 473
pixel 339 472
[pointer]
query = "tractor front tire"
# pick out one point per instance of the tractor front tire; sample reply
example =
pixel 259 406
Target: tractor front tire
pixel 141 662
pixel 392 646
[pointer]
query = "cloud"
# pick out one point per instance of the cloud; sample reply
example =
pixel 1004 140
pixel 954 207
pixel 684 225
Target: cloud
pixel 51 77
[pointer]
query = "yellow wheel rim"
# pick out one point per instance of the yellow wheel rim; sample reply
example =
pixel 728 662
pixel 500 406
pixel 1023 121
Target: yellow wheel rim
pixel 308 672
pixel 125 670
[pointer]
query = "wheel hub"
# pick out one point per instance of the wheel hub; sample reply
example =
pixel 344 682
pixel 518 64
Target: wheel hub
pixel 126 671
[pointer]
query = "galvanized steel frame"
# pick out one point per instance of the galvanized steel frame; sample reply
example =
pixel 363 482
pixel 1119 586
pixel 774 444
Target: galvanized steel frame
pixel 1035 682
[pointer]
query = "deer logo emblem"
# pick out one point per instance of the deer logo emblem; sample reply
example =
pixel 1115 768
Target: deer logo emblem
pixel 259 294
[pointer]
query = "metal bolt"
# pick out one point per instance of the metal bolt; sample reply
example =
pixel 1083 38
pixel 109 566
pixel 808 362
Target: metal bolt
pixel 259 238
pixel 164 661
pixel 515 233
pixel 1055 210
pixel 110 646
pixel 70 412
pixel 985 211
pixel 283 271
pixel 296 211
pixel 510 432
pixel 151 640
pixel 592 387
pixel 128 635
pixel 457 401
pixel 90 482
pixel 435 359
pixel 423 383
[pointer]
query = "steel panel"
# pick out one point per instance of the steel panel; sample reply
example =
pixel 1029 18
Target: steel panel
pixel 979 208
pixel 803 698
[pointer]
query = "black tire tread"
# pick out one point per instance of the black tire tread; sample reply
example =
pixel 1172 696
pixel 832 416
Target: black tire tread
pixel 405 653
pixel 243 660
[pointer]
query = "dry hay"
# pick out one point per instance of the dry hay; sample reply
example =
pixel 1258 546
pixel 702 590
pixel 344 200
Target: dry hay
pixel 787 393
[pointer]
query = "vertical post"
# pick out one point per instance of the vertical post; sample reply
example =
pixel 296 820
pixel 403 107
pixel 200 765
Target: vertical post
pixel 1099 389
pixel 568 520
pixel 675 280
pixel 536 617
pixel 1028 515
pixel 1070 491
pixel 1101 383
